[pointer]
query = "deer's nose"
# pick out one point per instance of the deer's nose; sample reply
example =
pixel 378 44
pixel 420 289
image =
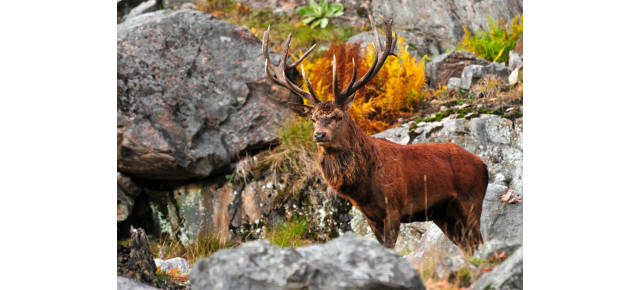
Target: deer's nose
pixel 320 136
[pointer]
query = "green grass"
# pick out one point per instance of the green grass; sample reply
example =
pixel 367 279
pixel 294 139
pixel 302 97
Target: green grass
pixel 494 44
pixel 289 233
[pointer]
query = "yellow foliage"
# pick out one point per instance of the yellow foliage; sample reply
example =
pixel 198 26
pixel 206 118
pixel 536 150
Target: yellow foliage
pixel 393 92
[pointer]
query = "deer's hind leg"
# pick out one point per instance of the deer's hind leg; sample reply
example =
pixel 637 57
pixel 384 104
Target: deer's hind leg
pixel 459 227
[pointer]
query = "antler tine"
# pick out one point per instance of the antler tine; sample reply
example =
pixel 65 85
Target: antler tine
pixel 278 74
pixel 297 62
pixel 353 76
pixel 306 80
pixel 380 55
pixel 285 53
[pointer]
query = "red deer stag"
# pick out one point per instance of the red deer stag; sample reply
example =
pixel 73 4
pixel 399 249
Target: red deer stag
pixel 388 182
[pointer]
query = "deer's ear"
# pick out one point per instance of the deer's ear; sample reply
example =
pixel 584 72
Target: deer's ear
pixel 301 109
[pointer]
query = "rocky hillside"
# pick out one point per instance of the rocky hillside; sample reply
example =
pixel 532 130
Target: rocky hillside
pixel 217 185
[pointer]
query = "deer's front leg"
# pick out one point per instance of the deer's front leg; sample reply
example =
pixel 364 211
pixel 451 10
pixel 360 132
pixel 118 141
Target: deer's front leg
pixel 391 228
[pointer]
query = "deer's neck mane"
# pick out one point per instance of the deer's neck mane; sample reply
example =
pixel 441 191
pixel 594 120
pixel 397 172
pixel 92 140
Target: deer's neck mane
pixel 347 167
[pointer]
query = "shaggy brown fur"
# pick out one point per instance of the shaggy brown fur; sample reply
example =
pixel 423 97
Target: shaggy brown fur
pixel 393 184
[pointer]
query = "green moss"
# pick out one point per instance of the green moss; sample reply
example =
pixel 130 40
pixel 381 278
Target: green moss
pixel 513 114
pixel 440 115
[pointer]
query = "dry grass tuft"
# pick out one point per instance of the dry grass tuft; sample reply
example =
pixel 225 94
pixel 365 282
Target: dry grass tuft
pixel 203 247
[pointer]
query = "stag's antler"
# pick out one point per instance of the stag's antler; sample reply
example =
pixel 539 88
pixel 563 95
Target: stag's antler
pixel 346 96
pixel 277 74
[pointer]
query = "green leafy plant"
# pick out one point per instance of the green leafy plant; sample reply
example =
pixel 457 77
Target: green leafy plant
pixel 495 44
pixel 318 14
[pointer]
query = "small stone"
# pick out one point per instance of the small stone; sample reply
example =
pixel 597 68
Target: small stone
pixel 443 108
pixel 178 263
pixel 471 115
pixel 513 77
pixel 463 106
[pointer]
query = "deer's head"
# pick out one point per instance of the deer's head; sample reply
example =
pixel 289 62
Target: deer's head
pixel 331 119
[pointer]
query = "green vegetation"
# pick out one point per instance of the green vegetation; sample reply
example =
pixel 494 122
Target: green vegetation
pixel 297 133
pixel 290 233
pixel 163 276
pixel 258 20
pixel 318 14
pixel 495 44
pixel 203 247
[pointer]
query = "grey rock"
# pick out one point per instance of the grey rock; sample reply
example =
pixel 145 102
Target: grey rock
pixel 127 192
pixel 398 135
pixel 230 211
pixel 446 267
pixel 495 246
pixel 348 262
pixel 506 276
pixel 191 95
pixel 408 236
pixel 418 43
pixel 129 284
pixel 144 7
pixel 453 84
pixel 515 60
pixel 443 19
pixel 513 77
pixel 473 73
pixel 158 261
pixel 174 263
pixel 175 4
pixel 433 246
pixel 500 220
pixel 451 64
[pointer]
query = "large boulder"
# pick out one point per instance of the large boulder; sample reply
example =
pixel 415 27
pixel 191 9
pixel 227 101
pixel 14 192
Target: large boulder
pixel 242 210
pixel 418 44
pixel 443 20
pixel 349 262
pixel 433 246
pixel 129 284
pixel 192 96
pixel 501 219
pixel 506 276
pixel 497 140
